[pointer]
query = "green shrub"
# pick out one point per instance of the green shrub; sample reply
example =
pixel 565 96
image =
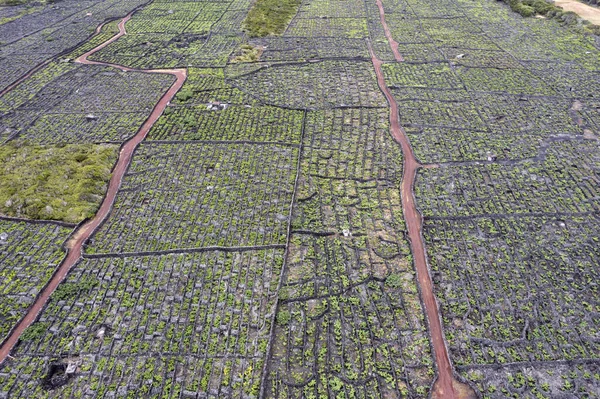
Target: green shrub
pixel 524 10
pixel 283 317
pixel 394 281
pixel 34 331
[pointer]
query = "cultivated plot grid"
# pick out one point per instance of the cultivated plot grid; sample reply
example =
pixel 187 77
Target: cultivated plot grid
pixel 258 247
pixel 29 254
pixel 191 195
pixel 168 34
pixel 42 33
pixel 83 104
pixel 154 326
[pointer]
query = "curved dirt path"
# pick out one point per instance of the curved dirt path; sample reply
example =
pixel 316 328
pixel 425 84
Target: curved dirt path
pixel 75 243
pixel 446 385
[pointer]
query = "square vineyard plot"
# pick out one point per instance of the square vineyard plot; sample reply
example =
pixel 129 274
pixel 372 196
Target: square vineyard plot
pixel 563 179
pixel 201 195
pixel 351 143
pixel 149 326
pixel 519 301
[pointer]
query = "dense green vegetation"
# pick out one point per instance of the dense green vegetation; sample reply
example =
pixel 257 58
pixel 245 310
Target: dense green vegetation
pixel 54 182
pixel 529 8
pixel 270 17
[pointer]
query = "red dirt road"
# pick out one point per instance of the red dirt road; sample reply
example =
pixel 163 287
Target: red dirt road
pixel 393 44
pixel 75 244
pixel 446 385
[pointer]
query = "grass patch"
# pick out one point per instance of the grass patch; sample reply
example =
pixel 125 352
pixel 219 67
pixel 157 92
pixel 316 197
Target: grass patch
pixel 270 17
pixel 64 182
pixel 247 53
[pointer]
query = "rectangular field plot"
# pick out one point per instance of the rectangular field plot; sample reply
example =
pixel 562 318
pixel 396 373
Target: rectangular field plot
pixel 82 105
pixel 454 112
pixel 456 32
pixel 153 25
pixel 357 240
pixel 302 48
pixel 438 76
pixel 245 123
pixel 565 180
pixel 517 291
pixel 480 58
pixel 207 86
pixel 29 255
pixel 512 81
pixel 439 144
pixel 404 30
pixel 551 380
pixel 436 9
pixel 215 52
pixel 351 143
pixel 199 195
pixel 568 78
pixel 77 128
pixel 369 341
pixel 420 52
pixel 334 27
pixel 154 50
pixel 314 85
pixel 332 9
pixel 513 114
pixel 349 319
pixel 35 85
pixel 155 326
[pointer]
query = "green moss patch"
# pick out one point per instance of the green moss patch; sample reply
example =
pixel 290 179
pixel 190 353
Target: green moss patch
pixel 270 17
pixel 54 182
